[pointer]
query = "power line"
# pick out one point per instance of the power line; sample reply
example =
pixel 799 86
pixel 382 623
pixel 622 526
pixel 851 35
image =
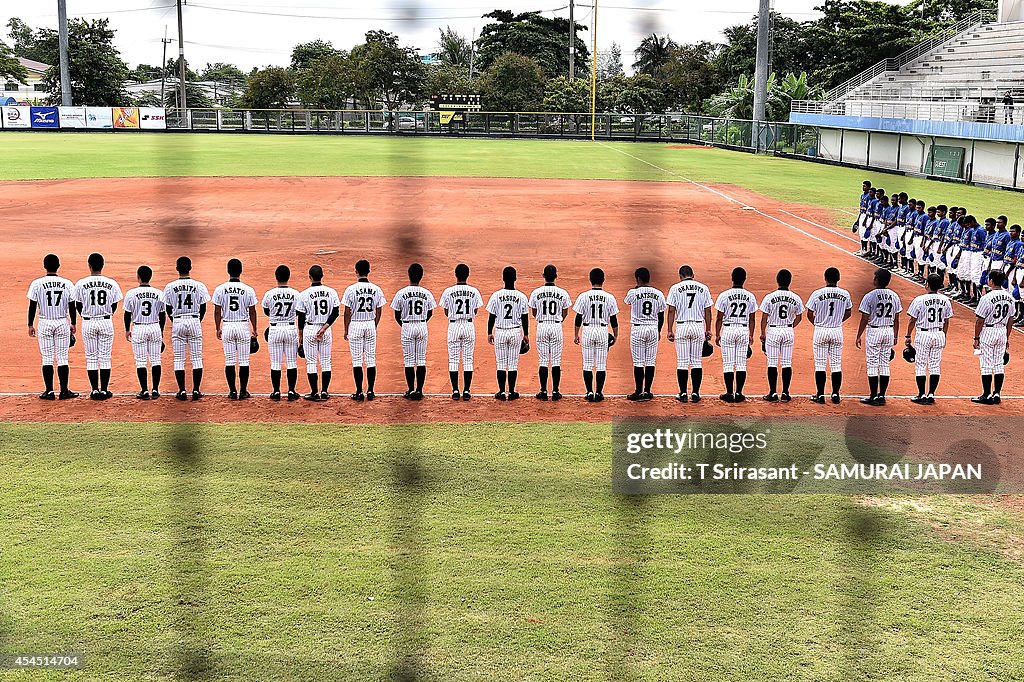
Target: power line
pixel 289 15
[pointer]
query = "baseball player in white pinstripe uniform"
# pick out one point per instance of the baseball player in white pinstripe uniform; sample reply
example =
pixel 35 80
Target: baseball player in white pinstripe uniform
pixel 827 309
pixel 508 325
pixel 234 316
pixel 414 306
pixel 734 334
pixel 880 323
pixel 363 302
pixel 993 322
pixel 281 305
pixel 52 297
pixel 318 309
pixel 550 305
pixel 782 311
pixel 596 310
pixel 96 298
pixel 647 318
pixel 460 303
pixel 144 321
pixel 185 302
pixel 689 327
pixel 929 314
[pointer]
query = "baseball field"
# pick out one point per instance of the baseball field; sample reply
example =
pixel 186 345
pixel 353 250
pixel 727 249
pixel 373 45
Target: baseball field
pixel 480 540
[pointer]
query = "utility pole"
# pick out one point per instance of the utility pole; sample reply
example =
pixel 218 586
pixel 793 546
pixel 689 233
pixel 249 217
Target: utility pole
pixel 593 77
pixel 761 69
pixel 572 40
pixel 181 56
pixel 163 67
pixel 65 69
pixel 472 53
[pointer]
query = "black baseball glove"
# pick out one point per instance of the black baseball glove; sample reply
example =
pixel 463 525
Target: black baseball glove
pixel 163 346
pixel 707 350
pixel 302 353
pixel 611 340
pixel 524 346
pixel 254 345
pixel 266 334
pixel 72 342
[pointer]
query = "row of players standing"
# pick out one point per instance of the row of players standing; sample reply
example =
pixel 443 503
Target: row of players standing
pixel 299 325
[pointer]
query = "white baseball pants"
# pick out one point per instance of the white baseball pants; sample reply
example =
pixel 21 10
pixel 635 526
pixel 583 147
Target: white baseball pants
pixel 461 342
pixel 506 348
pixel 993 346
pixel 690 338
pixel 735 342
pixel 236 338
pixel 549 344
pixel 929 346
pixel 54 338
pixel 283 345
pixel 362 343
pixel 187 341
pixel 98 340
pixel 146 342
pixel 594 340
pixel 317 352
pixel 414 344
pixel 828 348
pixel 778 346
pixel 643 345
pixel 878 350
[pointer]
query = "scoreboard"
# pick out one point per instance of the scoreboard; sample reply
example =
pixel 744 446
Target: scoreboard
pixel 453 107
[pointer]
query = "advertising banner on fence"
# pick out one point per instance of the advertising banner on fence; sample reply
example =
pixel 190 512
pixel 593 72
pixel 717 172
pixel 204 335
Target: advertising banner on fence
pixel 152 118
pixel 17 117
pixel 126 117
pixel 99 117
pixel 45 117
pixel 71 117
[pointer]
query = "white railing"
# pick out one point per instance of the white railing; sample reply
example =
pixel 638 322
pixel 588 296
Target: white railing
pixel 974 112
pixel 896 63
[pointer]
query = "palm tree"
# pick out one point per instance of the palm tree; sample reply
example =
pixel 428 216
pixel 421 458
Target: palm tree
pixel 653 53
pixel 453 48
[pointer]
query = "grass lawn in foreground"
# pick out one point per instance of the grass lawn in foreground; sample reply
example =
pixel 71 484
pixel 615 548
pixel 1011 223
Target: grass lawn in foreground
pixel 480 551
pixel 43 155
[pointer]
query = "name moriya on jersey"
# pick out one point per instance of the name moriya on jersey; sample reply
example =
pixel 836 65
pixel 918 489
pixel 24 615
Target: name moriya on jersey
pixel 461 302
pixel 413 303
pixel 97 294
pixel 53 295
pixel 550 303
pixel 144 304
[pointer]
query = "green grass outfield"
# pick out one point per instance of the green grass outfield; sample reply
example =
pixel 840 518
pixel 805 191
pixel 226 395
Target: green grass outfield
pixel 41 155
pixel 469 552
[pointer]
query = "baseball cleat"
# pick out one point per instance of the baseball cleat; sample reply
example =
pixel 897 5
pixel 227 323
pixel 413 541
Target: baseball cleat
pixel 153 395
pixel 646 395
pixel 513 395
pixel 357 396
pixel 836 399
pixel 325 396
pixel 695 397
pixel 598 397
pixel 407 395
pixel 416 395
pixel 142 395
pixel 232 395
pixel 683 398
pixel 982 400
pixel 466 396
pixel 541 395
pixel 818 399
pixel 772 398
pixel 95 395
pixel 870 400
pixel 67 395
pixel 633 396
pixel 47 395
pixel 726 397
pixel 500 395
pixel 456 395
pixel 919 400
pixel 556 396
pixel 181 395
pixel 293 396
pixel 196 395
pixel 312 397
pixel 738 398
pixel 996 399
pixel 370 395
pixel 785 398
pixel 276 396
pixel 107 395
pixel 244 395
pixel 589 397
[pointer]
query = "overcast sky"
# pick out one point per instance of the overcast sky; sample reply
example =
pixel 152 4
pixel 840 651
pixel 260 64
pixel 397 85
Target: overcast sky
pixel 260 32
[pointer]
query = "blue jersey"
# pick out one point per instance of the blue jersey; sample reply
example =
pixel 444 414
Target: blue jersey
pixel 966 234
pixel 889 213
pixel 941 228
pixel 978 239
pixel 1015 251
pixel 930 227
pixel 865 198
pixel 997 245
pixel 920 223
pixel 954 233
pixel 902 213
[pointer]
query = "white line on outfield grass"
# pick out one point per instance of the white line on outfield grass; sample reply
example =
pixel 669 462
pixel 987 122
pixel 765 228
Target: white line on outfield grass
pixel 489 396
pixel 779 220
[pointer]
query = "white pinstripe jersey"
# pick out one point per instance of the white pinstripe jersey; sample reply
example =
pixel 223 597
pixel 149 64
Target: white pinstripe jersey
pixel 882 306
pixel 413 303
pixel 184 296
pixel 234 300
pixel 645 304
pixel 781 307
pixel 144 303
pixel 690 299
pixel 596 306
pixel 736 306
pixel 364 299
pixel 97 294
pixel 930 311
pixel 996 307
pixel 281 304
pixel 829 305
pixel 550 302
pixel 508 306
pixel 316 303
pixel 53 296
pixel 461 302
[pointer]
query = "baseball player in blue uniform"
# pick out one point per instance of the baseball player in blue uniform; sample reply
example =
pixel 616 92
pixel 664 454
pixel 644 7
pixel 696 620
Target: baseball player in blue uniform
pixel 996 246
pixel 875 222
pixel 963 271
pixel 937 246
pixel 52 297
pixel 1012 263
pixel 881 233
pixel 978 259
pixel 867 198
pixel 951 251
pixel 907 235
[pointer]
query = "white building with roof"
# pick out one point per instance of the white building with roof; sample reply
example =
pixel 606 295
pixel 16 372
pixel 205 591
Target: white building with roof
pixel 32 92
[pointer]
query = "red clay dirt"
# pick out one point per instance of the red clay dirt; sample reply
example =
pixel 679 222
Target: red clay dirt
pixel 487 223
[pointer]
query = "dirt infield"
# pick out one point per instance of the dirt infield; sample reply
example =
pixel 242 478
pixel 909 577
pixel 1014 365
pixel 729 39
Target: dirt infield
pixel 487 223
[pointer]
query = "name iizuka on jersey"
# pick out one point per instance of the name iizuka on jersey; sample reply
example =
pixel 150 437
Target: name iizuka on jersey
pixel 52 295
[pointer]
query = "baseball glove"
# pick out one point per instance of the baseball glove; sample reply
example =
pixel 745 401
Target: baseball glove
pixel 72 342
pixel 1006 358
pixel 909 354
pixel 301 352
pixel 750 352
pixel 163 346
pixel 892 354
pixel 708 350
pixel 524 346
pixel 254 345
pixel 611 340
pixel 266 334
